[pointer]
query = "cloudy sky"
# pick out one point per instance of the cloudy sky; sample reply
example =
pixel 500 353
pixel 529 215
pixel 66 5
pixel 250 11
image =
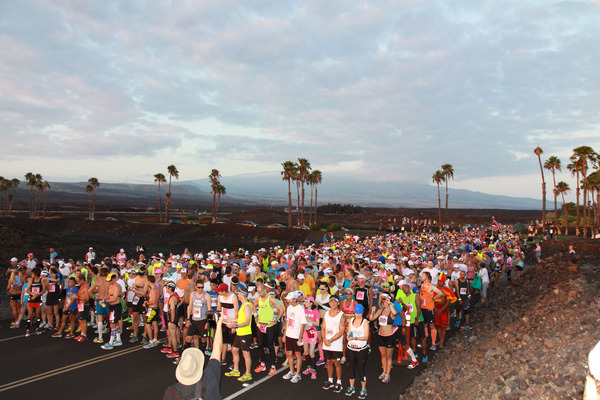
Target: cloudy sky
pixel 384 90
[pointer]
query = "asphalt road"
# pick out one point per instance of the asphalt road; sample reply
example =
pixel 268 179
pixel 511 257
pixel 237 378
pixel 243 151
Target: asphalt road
pixel 42 367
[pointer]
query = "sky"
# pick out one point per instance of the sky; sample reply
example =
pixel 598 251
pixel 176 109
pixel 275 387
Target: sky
pixel 379 90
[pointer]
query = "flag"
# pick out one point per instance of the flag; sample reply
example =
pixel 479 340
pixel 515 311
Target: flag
pixel 497 225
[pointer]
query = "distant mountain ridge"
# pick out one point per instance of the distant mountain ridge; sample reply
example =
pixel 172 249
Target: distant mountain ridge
pixel 267 188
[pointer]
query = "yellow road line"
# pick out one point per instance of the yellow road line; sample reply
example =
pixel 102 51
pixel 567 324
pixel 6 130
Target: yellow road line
pixel 68 368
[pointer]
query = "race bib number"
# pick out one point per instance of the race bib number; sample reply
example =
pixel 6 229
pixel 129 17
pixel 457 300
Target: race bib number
pixel 80 307
pixel 135 300
pixel 262 327
pixel 35 290
pixel 410 308
pixel 111 316
pixel 329 333
pixel 196 312
pixel 148 312
pixel 52 288
pixel 463 290
pixel 360 295
pixel 383 321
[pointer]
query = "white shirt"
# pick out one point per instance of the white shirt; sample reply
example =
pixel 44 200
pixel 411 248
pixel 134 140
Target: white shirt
pixel 295 317
pixel 435 274
pixel 483 274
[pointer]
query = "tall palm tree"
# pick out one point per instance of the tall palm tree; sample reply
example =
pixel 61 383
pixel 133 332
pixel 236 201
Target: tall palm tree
pixel 574 169
pixel 553 164
pixel 563 188
pixel 437 178
pixel 89 189
pixel 303 172
pixel 448 171
pixel 582 155
pixel 287 174
pixel 11 197
pixel 95 185
pixel 159 178
pixel 214 183
pixel 316 177
pixel 296 178
pixel 221 191
pixel 46 188
pixel 30 178
pixel 592 182
pixel 40 189
pixel 538 152
pixel 172 170
pixel 4 186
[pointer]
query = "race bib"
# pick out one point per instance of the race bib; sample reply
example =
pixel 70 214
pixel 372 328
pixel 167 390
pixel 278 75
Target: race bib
pixel 329 333
pixel 111 316
pixel 35 290
pixel 383 320
pixel 80 307
pixel 135 300
pixel 148 312
pixel 360 295
pixel 463 290
pixel 196 312
pixel 262 327
pixel 52 288
pixel 423 302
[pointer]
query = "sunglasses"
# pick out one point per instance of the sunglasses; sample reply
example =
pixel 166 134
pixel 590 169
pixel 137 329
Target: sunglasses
pixel 199 287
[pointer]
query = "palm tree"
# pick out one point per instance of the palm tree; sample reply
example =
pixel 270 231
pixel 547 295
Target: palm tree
pixel 89 189
pixel 30 178
pixel 582 155
pixel 296 178
pixel 439 177
pixel 46 188
pixel 303 172
pixel 574 169
pixel 4 186
pixel 172 170
pixel 553 164
pixel 448 171
pixel 221 191
pixel 95 184
pixel 159 178
pixel 214 182
pixel 315 178
pixel 538 151
pixel 592 182
pixel 287 174
pixel 11 197
pixel 563 188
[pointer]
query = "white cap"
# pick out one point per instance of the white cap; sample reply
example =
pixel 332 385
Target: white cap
pixel 14 259
pixel 301 276
pixel 361 276
pixel 183 271
pixel 402 282
pixel 292 295
pixel 121 250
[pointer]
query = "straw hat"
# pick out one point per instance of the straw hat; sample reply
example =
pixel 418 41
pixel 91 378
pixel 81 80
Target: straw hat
pixel 190 368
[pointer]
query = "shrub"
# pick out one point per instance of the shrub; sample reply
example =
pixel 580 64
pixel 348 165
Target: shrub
pixel 335 227
pixel 315 227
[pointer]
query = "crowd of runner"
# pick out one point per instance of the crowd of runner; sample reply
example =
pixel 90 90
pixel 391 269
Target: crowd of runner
pixel 303 307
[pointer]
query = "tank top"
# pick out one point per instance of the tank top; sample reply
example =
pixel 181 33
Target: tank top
pixel 53 289
pixel 426 297
pixel 199 307
pixel 376 288
pixel 241 318
pixel 332 325
pixel 227 307
pixel 411 303
pixel 323 304
pixel 36 289
pixel 463 289
pixel 348 309
pixel 265 311
pixel 357 345
pixel 362 296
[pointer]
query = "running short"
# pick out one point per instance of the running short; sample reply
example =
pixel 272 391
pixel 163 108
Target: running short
pixel 114 313
pixel 242 342
pixel 34 304
pixel 333 355
pixel 197 328
pixel 228 336
pixel 441 319
pixel 417 331
pixel 182 311
pixel 51 301
pixel 102 310
pixel 15 297
pixel 388 341
pixel 428 316
pixel 292 345
pixel 139 307
pixel 152 315
pixel 85 314
pixel 400 337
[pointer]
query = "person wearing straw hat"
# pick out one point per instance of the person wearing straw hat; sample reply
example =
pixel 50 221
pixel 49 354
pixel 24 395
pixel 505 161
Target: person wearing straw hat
pixel 194 379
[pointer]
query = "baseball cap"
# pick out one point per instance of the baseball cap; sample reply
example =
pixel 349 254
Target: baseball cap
pixel 301 276
pixel 359 309
pixel 14 259
pixel 292 295
pixel 242 288
pixel 222 288
pixel 171 285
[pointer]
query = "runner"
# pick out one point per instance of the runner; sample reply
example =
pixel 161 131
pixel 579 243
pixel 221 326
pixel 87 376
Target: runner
pixel 293 330
pixel 152 315
pixel 334 326
pixel 267 310
pixel 140 290
pixel 100 287
pixel 196 319
pixel 227 304
pixel 387 335
pixel 14 288
pixel 52 299
pixel 310 335
pixel 358 346
pixel 69 310
pixel 172 316
pixel 243 338
pixel 428 295
pixel 412 303
pixel 113 299
pixel 35 289
pixel 83 307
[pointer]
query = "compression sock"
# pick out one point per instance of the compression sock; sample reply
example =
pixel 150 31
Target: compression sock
pixel 28 324
pixel 113 336
pixel 162 320
pixel 100 329
pixel 118 333
pixel 411 353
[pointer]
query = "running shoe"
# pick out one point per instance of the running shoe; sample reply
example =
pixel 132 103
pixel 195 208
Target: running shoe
pixel 99 340
pixel 313 375
pixel 151 344
pixel 176 360
pixel 12 323
pixel 433 347
pixel 424 359
pixel 253 346
pixel 337 388
pixel 350 391
pixel 280 353
pixel 38 332
pixel 267 351
pixel 381 376
pixel 289 375
pixel 272 371
pixel 307 371
pixel 175 354
pixel 413 364
pixel 128 319
pixel 15 326
pixel 78 329
pixel 81 338
pixel 320 362
pixel 328 385
pixel 69 336
pixel 166 350
pixel 144 342
pixel 117 343
pixel 162 329
pixel 260 368
pixel 457 324
pixel 363 394
pixel 468 327
pixel 245 378
pixel 208 352
pixel 233 373
pixel 27 334
pixel 296 378
pixel 285 363
pixel 107 346
pixel 57 335
pixel 386 379
pixel 133 339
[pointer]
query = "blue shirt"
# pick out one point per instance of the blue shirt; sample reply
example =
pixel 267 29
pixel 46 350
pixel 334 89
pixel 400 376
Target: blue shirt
pixel 71 292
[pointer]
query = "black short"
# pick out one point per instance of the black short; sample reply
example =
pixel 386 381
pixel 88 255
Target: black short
pixel 228 336
pixel 388 341
pixel 51 301
pixel 242 342
pixel 428 316
pixel 152 315
pixel 417 331
pixel 197 328
pixel 85 314
pixel 15 297
pixel 139 307
pixel 292 345
pixel 400 337
pixel 115 313
pixel 333 355
pixel 182 311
